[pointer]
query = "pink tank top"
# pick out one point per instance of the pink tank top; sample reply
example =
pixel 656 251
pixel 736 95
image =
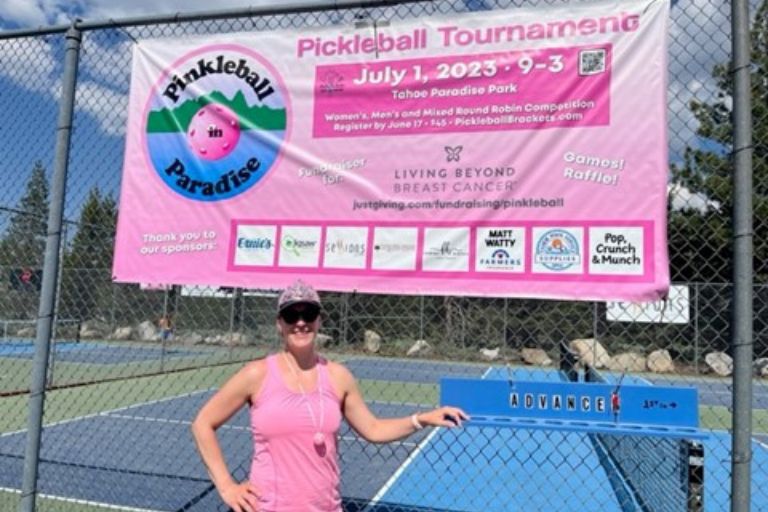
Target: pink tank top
pixel 290 473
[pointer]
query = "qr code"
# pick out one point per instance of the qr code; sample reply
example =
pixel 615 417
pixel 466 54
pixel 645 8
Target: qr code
pixel 591 62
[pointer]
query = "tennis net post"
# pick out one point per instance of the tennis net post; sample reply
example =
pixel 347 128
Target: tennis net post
pixel 662 475
pixel 568 360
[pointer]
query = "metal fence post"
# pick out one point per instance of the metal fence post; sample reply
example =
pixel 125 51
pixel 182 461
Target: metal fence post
pixel 505 326
pixel 50 270
pixel 741 330
pixel 595 321
pixel 696 353
pixel 166 317
pixel 421 318
pixel 345 319
pixel 54 332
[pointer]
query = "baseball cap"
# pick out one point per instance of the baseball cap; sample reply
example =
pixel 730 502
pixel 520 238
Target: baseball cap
pixel 298 292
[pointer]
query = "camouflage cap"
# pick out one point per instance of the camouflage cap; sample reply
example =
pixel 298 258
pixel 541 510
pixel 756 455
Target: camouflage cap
pixel 297 292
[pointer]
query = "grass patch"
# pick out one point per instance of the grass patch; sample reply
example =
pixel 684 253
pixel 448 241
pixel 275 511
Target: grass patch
pixel 10 501
pixel 717 417
pixel 399 392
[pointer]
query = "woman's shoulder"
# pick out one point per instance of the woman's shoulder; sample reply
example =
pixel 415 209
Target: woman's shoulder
pixel 251 377
pixel 254 371
pixel 259 364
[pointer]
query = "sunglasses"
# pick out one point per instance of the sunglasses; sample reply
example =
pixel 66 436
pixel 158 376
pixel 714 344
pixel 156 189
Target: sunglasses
pixel 291 315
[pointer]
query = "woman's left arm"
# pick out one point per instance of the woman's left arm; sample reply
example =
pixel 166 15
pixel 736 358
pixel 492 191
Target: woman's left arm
pixel 384 430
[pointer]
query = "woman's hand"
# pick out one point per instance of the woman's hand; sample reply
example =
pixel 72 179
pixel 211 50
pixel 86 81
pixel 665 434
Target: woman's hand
pixel 443 417
pixel 240 497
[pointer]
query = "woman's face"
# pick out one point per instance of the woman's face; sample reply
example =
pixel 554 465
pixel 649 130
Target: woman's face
pixel 298 324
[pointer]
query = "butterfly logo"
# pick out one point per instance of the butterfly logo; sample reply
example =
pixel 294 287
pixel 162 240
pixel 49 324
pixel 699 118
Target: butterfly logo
pixel 453 154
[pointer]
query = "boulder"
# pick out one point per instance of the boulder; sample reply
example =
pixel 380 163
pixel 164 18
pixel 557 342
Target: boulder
pixel 761 367
pixel 631 362
pixel 190 338
pixel 27 332
pixel 535 356
pixel 94 329
pixel 323 340
pixel 720 363
pixel 146 331
pixel 122 333
pixel 418 348
pixel 371 341
pixel 590 351
pixel 214 339
pixel 235 339
pixel 659 361
pixel 489 354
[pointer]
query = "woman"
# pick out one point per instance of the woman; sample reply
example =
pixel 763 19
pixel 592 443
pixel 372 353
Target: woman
pixel 297 400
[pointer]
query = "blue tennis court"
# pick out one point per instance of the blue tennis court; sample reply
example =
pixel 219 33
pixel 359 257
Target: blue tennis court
pixel 142 458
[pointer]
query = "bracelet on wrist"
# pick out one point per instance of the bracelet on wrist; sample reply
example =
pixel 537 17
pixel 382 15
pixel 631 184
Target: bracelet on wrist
pixel 415 421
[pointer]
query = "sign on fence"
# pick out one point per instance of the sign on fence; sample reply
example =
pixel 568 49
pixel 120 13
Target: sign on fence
pixel 482 154
pixel 675 309
pixel 222 292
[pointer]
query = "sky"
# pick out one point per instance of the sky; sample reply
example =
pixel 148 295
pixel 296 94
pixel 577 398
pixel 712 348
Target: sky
pixel 30 71
pixel 37 13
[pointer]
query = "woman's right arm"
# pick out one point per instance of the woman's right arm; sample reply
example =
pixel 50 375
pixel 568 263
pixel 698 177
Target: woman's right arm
pixel 235 393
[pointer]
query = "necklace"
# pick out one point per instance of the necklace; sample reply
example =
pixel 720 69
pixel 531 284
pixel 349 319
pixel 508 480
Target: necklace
pixel 319 438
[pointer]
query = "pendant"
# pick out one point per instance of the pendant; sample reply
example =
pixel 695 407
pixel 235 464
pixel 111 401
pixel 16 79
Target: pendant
pixel 319 439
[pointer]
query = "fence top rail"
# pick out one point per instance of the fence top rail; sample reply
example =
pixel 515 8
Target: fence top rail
pixel 241 12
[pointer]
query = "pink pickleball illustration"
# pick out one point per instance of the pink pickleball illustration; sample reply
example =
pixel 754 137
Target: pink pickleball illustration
pixel 213 132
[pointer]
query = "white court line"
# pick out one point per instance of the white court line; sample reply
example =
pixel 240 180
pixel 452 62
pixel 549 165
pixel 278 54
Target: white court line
pixel 169 421
pixel 85 502
pixel 415 453
pixel 110 411
pixel 392 479
pixel 95 415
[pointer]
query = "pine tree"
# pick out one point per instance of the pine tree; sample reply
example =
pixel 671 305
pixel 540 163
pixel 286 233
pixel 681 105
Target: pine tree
pixel 24 241
pixel 86 290
pixel 93 241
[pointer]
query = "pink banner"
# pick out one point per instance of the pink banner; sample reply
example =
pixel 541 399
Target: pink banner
pixel 482 154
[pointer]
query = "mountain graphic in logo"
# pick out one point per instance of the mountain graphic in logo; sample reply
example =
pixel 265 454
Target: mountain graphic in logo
pixel 249 117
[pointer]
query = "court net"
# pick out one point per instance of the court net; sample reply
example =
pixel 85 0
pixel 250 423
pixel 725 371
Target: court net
pixel 649 473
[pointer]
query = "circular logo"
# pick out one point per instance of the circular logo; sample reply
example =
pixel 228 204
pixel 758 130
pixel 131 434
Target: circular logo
pixel 558 249
pixel 215 122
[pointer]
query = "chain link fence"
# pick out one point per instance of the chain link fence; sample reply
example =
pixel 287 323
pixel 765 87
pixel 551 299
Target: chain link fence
pixel 120 397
